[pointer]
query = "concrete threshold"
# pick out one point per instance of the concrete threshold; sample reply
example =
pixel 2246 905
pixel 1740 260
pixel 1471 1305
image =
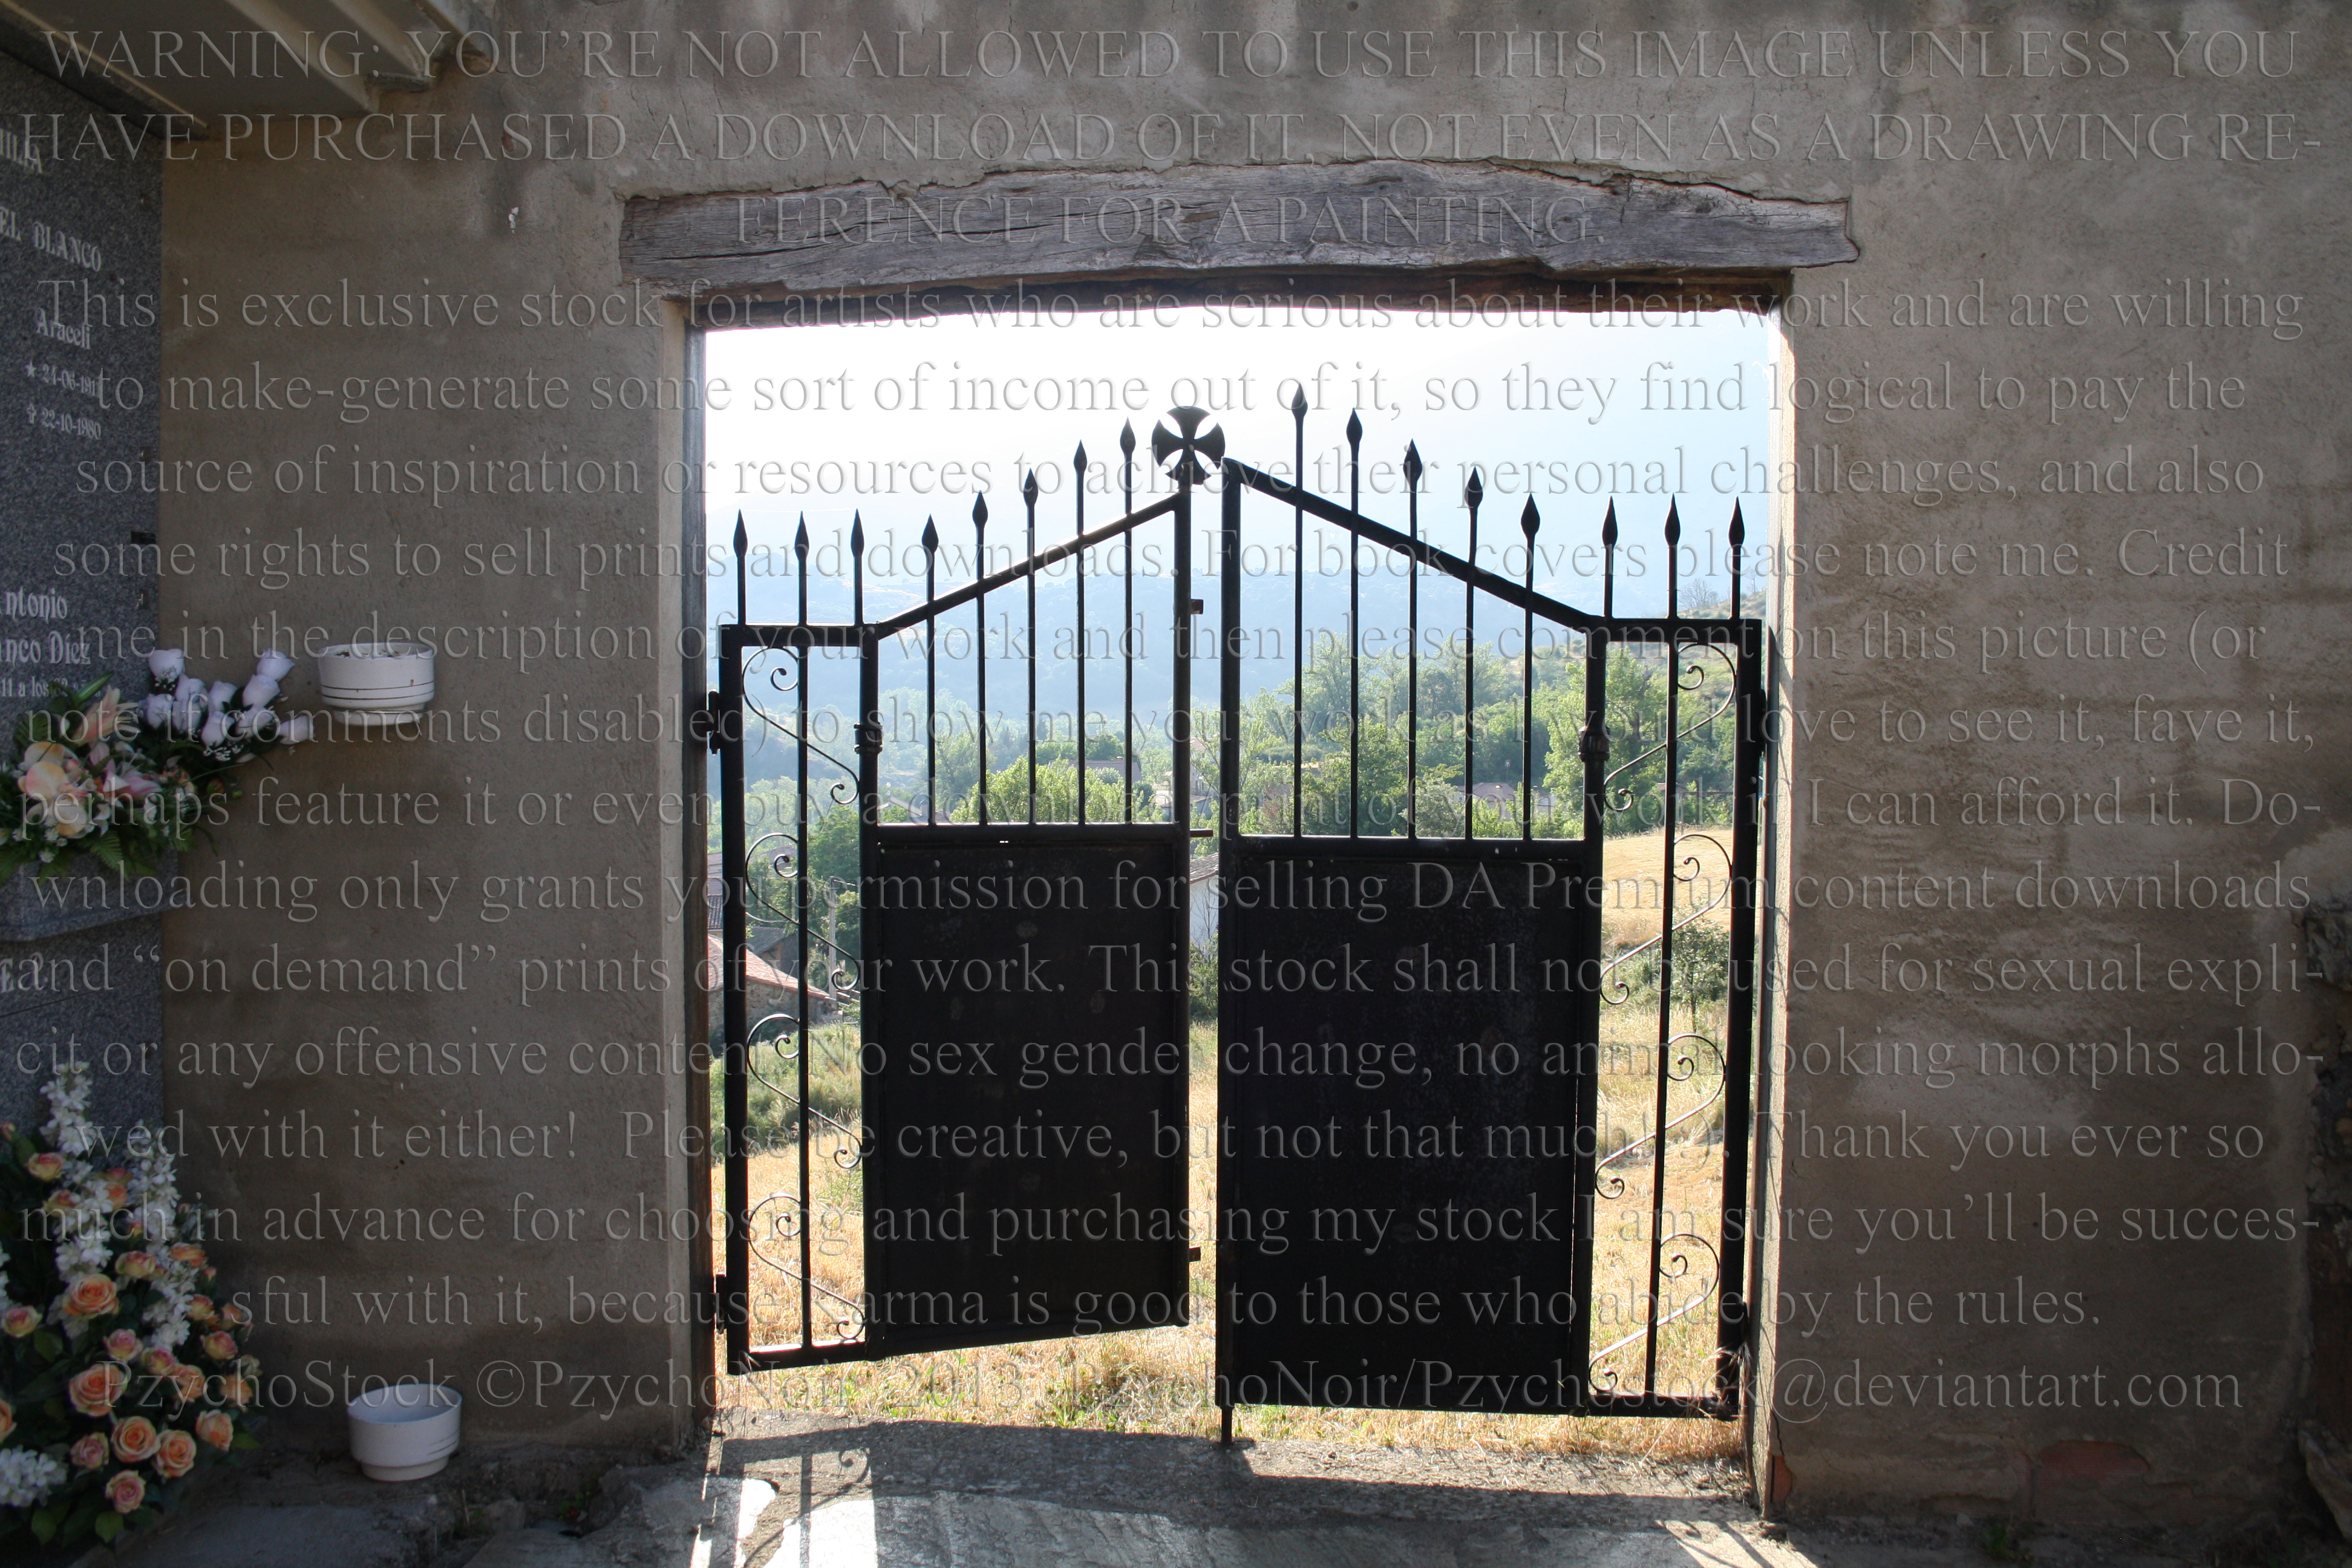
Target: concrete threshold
pixel 815 1491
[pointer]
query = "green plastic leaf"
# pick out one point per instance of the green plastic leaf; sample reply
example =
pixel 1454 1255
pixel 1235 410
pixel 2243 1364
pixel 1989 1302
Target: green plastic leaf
pixel 44 1525
pixel 109 1526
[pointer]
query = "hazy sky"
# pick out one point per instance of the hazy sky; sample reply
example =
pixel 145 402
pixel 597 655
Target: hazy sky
pixel 894 421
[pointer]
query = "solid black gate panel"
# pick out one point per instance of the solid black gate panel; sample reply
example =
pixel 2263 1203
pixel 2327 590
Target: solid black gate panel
pixel 1405 1113
pixel 1024 1077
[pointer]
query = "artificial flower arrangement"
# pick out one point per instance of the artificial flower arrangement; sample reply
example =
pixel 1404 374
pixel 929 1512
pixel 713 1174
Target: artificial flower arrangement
pixel 94 775
pixel 101 1274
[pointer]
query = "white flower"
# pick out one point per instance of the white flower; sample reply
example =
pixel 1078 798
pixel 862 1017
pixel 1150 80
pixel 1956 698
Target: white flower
pixel 165 664
pixel 156 711
pixel 27 1476
pixel 260 691
pixel 295 731
pixel 216 730
pixel 187 702
pixel 273 666
pixel 220 694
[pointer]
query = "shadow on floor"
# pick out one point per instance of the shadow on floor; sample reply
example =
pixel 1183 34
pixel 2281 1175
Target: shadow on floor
pixel 915 1494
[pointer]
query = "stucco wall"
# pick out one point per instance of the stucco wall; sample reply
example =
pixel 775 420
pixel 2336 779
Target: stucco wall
pixel 2029 168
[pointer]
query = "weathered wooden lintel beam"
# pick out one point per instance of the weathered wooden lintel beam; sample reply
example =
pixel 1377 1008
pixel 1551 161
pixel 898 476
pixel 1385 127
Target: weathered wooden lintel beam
pixel 1200 221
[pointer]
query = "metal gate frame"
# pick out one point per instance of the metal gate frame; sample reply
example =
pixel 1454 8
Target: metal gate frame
pixel 721 723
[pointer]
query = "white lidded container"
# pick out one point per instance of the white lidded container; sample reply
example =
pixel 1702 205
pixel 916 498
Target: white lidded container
pixel 405 1432
pixel 376 678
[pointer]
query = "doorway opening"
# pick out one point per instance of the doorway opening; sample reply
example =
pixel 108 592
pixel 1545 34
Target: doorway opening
pixel 1617 465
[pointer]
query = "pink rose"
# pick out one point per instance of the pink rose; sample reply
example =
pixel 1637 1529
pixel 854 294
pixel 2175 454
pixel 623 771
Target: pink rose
pixel 92 1296
pixel 7 1419
pixel 139 1265
pixel 19 1321
pixel 46 1167
pixel 176 1455
pixel 220 1345
pixel 134 1439
pixel 122 1345
pixel 90 1452
pixel 200 1310
pixel 188 1381
pixel 126 1491
pixel 214 1428
pixel 158 1362
pixel 94 1389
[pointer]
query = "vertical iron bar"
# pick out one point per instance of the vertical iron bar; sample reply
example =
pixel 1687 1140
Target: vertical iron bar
pixel 1126 626
pixel 931 674
pixel 1412 472
pixel 1666 940
pixel 1299 615
pixel 1354 626
pixel 1529 521
pixel 1472 493
pixel 1078 468
pixel 800 925
pixel 1029 500
pixel 1180 696
pixel 735 1007
pixel 869 811
pixel 1733 1327
pixel 1229 673
pixel 980 652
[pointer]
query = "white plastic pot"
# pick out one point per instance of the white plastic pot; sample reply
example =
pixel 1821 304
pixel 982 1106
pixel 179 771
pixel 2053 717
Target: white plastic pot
pixel 371 678
pixel 406 1432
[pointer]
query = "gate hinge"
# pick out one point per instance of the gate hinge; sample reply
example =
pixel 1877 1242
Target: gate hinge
pixel 702 724
pixel 711 1300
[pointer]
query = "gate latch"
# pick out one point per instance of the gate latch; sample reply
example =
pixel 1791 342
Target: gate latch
pixel 702 724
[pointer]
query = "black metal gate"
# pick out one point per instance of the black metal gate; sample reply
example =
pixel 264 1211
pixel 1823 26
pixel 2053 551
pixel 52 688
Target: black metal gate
pixel 1465 1157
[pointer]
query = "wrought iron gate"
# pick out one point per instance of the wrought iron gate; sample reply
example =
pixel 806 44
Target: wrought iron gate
pixel 1450 1074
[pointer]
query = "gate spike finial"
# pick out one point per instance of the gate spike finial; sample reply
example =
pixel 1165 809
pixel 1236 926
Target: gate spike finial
pixel 1127 438
pixel 1674 525
pixel 1474 490
pixel 930 537
pixel 1412 466
pixel 799 554
pixel 856 567
pixel 1029 488
pixel 980 511
pixel 1299 401
pixel 1529 521
pixel 1739 538
pixel 1355 430
pixel 742 580
pixel 1079 461
pixel 1609 561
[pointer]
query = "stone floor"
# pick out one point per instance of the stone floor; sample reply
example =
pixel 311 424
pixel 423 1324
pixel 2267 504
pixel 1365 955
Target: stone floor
pixel 826 1492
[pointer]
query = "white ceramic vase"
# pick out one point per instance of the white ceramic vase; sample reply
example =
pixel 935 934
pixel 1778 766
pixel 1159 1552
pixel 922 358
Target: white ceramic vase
pixel 406 1432
pixel 376 678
